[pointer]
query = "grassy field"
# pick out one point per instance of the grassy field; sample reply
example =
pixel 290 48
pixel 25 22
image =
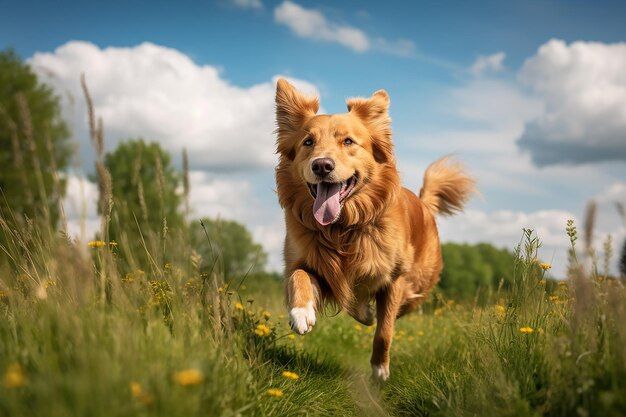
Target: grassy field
pixel 83 333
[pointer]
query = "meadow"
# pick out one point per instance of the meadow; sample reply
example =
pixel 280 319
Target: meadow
pixel 83 333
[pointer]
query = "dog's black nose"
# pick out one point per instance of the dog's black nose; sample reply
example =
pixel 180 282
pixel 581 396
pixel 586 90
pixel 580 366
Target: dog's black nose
pixel 323 166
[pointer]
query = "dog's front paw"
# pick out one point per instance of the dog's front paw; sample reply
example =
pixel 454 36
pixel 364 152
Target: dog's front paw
pixel 380 372
pixel 302 319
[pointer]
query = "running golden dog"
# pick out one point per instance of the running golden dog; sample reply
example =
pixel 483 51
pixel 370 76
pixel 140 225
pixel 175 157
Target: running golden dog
pixel 354 234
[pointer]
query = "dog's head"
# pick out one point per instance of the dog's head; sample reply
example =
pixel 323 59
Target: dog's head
pixel 335 161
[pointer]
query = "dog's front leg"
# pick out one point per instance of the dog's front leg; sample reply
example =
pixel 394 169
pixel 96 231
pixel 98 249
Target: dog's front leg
pixel 303 293
pixel 388 302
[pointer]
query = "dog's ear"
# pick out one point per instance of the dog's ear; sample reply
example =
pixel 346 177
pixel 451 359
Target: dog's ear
pixel 293 109
pixel 374 113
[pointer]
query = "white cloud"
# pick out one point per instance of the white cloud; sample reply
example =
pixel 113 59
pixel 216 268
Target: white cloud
pixel 160 94
pixel 313 24
pixel 80 206
pixel 247 4
pixel 583 85
pixel 484 63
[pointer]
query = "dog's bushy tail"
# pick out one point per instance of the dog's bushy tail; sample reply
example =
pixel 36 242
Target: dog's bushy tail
pixel 446 187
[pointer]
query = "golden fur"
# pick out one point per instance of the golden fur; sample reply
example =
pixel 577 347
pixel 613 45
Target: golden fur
pixel 384 244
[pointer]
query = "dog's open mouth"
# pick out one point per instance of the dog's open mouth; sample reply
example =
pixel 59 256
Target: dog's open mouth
pixel 329 198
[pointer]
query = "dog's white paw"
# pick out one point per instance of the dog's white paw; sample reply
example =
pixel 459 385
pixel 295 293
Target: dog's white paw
pixel 380 372
pixel 302 319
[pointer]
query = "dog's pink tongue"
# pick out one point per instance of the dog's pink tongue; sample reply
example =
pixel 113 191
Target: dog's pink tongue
pixel 326 206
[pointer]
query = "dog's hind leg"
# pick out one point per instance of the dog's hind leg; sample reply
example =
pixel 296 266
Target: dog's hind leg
pixel 303 294
pixel 388 302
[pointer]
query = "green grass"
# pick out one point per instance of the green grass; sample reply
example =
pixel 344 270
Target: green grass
pixel 84 334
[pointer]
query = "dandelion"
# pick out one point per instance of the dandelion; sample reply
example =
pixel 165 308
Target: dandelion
pixel 553 297
pixel 135 389
pixel 188 377
pixel 14 376
pixel 96 244
pixel 239 306
pixel 526 330
pixel 291 336
pixel 357 328
pixel 262 330
pixel 137 392
pixel 545 266
pixel 275 392
pixel 266 315
pixel 290 375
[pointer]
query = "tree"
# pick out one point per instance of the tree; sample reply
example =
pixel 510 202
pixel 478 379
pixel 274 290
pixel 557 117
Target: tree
pixel 231 244
pixel 145 190
pixel 468 268
pixel 34 145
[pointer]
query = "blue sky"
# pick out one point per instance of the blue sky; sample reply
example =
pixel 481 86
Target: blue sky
pixel 528 94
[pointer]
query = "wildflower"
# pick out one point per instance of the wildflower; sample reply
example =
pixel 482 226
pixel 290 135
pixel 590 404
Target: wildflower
pixel 262 330
pixel 96 244
pixel 239 306
pixel 49 283
pixel 135 389
pixel 357 327
pixel 14 376
pixel 137 392
pixel 553 297
pixel 266 315
pixel 275 392
pixel 168 266
pixel 188 377
pixel 290 375
pixel 545 266
pixel 526 330
pixel 500 309
pixel 291 336
pixel 220 290
pixel 113 243
pixel 420 333
pixel 437 311
pixel 411 338
pixel 251 312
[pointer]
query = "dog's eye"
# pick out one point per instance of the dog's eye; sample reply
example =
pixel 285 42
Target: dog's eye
pixel 308 142
pixel 348 141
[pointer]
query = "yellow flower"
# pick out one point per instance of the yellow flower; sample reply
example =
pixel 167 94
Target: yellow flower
pixel 553 297
pixel 167 266
pixel 239 306
pixel 357 328
pixel 96 244
pixel 275 392
pixel 500 309
pixel 262 330
pixel 188 377
pixel 220 290
pixel 135 389
pixel 14 376
pixel 291 336
pixel 112 243
pixel 545 266
pixel 526 330
pixel 137 392
pixel 290 375
pixel 266 315
pixel 420 333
